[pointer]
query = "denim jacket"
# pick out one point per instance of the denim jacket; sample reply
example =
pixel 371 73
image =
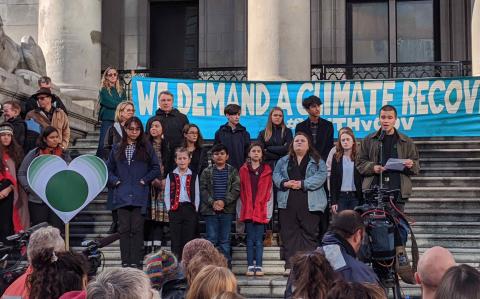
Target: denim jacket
pixel 314 179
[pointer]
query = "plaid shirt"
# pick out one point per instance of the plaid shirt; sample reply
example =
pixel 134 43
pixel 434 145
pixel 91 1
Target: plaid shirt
pixel 129 150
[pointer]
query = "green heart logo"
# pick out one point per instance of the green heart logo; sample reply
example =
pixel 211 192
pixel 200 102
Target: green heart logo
pixel 67 189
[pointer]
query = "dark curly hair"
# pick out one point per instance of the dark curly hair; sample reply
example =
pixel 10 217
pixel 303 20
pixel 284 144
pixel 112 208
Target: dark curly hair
pixel 312 275
pixel 55 273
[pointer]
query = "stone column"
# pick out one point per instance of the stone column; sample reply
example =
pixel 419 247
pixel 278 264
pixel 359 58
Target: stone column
pixel 69 32
pixel 278 40
pixel 476 38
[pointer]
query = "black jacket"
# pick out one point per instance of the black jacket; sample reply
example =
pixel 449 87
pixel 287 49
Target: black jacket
pixel 277 146
pixel 172 123
pixel 336 176
pixel 174 289
pixel 199 160
pixel 31 104
pixel 324 141
pixel 19 129
pixel 237 142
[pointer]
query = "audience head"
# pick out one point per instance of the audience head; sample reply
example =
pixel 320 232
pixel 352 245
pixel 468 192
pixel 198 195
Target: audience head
pixel 55 273
pixel 388 118
pixel 346 141
pixel 44 82
pixel 275 119
pixel 124 111
pixel 43 238
pixel 232 112
pixel 182 158
pixel 301 146
pixel 219 154
pixel 312 105
pixel 347 290
pixel 192 134
pixel 212 281
pixel 349 225
pixel 44 99
pixel 431 267
pixel 48 138
pixel 160 267
pixel 154 128
pixel 459 282
pixel 9 145
pixel 255 151
pixel 312 275
pixel 121 283
pixel 193 247
pixel 11 109
pixel 203 258
pixel 165 101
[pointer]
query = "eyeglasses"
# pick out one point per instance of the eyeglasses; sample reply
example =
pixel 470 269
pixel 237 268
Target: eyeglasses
pixel 134 129
pixel 112 75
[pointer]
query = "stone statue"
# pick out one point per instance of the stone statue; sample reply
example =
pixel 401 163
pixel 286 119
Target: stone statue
pixel 27 56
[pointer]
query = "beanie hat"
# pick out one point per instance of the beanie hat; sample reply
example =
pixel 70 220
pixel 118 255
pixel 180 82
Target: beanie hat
pixel 6 128
pixel 192 247
pixel 161 267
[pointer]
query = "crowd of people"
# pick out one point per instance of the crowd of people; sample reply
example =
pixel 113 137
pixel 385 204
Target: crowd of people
pixel 162 180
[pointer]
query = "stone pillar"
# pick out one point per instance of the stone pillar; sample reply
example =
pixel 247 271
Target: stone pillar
pixel 476 38
pixel 278 40
pixel 69 32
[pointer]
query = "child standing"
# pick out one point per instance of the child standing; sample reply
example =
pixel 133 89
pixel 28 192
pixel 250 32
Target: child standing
pixel 182 199
pixel 256 196
pixel 220 188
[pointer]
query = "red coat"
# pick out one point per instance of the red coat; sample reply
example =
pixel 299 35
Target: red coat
pixel 259 212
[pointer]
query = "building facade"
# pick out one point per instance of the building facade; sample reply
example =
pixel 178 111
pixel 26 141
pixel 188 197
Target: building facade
pixel 79 38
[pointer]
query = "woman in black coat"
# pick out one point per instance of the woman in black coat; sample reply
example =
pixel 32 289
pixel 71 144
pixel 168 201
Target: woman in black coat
pixel 345 180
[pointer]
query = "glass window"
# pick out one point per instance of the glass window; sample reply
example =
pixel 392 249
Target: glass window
pixel 370 32
pixel 415 39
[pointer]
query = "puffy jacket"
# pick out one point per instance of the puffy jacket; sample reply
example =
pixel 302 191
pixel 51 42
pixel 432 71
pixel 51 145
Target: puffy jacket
pixel 368 157
pixel 19 129
pixel 206 191
pixel 314 178
pixel 130 192
pixel 255 210
pixel 237 142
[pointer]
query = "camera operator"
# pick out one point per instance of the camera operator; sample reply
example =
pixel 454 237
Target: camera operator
pixel 341 244
pixel 47 237
pixel 395 145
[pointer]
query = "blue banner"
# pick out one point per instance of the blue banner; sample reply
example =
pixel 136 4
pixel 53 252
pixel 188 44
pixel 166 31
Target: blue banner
pixel 426 107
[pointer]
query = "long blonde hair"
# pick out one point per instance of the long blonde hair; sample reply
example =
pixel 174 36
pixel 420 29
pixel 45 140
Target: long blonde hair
pixel 211 281
pixel 269 128
pixel 104 82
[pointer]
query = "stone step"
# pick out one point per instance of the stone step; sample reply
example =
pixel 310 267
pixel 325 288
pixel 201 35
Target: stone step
pixel 447 240
pixel 448 161
pixel 445 203
pixel 459 228
pixel 444 215
pixel 450 152
pixel 430 181
pixel 446 144
pixel 438 192
pixel 449 171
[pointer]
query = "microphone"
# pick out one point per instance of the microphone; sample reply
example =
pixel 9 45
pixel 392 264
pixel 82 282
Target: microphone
pixel 382 135
pixel 27 232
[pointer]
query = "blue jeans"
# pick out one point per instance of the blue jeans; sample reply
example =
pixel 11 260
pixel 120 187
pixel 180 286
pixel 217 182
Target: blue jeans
pixel 254 243
pixel 218 232
pixel 103 131
pixel 347 201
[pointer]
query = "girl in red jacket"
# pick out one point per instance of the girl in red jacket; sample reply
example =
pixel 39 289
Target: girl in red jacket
pixel 256 196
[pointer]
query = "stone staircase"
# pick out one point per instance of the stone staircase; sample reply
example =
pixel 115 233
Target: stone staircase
pixel 445 205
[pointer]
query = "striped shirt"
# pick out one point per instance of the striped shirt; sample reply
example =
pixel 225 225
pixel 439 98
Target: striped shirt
pixel 220 181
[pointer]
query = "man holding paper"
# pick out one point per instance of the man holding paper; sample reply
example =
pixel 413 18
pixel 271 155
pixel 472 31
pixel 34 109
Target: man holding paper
pixel 398 162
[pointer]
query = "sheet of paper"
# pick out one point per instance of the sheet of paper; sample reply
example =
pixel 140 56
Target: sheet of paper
pixel 395 164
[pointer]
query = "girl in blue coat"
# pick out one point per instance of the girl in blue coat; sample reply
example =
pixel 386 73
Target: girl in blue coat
pixel 132 165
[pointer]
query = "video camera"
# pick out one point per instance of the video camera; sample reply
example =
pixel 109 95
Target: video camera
pixel 8 273
pixel 381 218
pixel 93 253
